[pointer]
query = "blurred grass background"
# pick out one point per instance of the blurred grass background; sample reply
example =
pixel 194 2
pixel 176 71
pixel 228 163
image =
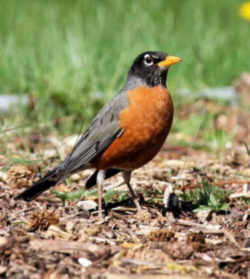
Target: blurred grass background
pixel 72 56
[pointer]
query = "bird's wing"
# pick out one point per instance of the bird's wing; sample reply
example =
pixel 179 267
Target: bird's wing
pixel 103 129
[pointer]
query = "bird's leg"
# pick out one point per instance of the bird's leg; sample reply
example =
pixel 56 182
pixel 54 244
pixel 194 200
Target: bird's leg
pixel 126 177
pixel 100 179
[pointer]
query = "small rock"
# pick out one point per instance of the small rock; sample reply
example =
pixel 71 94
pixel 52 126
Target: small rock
pixel 203 215
pixel 49 153
pixel 3 176
pixel 75 177
pixel 3 242
pixel 87 205
pixel 84 262
pixel 2 269
pixel 56 232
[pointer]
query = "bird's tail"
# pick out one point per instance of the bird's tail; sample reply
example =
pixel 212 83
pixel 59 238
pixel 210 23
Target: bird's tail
pixel 54 177
pixel 49 180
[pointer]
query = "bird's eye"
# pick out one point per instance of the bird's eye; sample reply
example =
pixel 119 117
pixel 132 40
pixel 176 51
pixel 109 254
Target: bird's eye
pixel 148 60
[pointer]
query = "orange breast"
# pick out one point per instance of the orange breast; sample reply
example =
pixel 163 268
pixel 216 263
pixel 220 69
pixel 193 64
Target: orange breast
pixel 145 123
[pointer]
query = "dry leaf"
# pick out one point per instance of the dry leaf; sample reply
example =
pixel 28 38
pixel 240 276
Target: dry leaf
pixel 19 176
pixel 161 235
pixel 42 220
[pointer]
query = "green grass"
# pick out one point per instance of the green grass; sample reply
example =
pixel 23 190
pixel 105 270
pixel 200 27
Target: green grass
pixel 65 52
pixel 199 128
pixel 208 197
pixel 108 196
pixel 205 197
pixel 77 195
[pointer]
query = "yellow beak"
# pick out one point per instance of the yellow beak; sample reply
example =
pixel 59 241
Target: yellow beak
pixel 170 60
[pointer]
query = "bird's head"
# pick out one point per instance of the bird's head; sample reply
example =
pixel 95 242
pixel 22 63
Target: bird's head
pixel 152 67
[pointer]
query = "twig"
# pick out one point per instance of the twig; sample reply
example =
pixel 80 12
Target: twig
pixel 224 182
pixel 230 237
pixel 240 195
pixel 203 227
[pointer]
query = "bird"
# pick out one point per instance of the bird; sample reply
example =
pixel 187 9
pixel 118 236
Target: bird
pixel 126 133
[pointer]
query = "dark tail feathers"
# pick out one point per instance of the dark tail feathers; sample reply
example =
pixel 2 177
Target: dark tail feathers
pixel 49 180
pixel 52 178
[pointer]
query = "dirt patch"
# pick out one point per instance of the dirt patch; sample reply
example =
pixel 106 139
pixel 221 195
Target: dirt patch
pixel 48 238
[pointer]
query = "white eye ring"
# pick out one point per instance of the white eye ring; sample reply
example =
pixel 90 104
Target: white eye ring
pixel 148 60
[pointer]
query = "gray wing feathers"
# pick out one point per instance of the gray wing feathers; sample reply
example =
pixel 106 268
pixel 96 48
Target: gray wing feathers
pixel 103 129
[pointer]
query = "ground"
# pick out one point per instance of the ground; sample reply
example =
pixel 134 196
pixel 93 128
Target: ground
pixel 55 237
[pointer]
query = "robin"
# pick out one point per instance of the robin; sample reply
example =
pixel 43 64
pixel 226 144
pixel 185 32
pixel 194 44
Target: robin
pixel 126 134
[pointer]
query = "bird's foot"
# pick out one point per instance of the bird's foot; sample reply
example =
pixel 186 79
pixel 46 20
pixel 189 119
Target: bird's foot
pixel 141 212
pixel 138 200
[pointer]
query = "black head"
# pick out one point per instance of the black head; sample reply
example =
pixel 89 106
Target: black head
pixel 152 67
